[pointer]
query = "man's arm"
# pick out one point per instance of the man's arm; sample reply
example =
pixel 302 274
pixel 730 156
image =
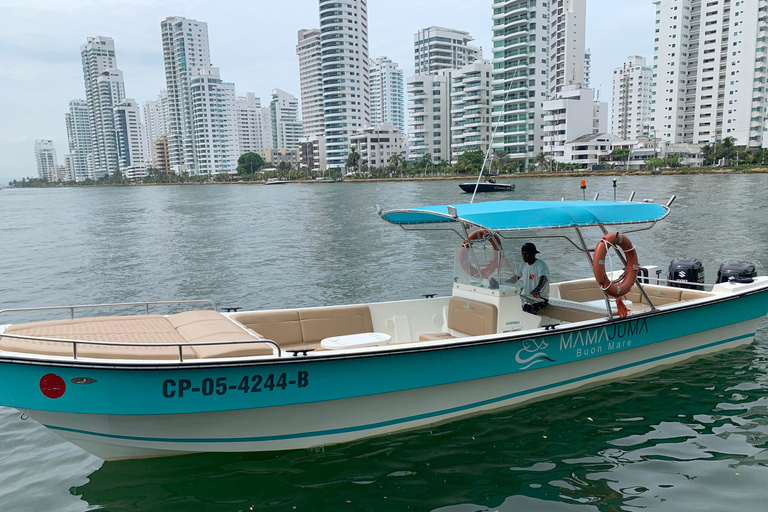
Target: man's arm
pixel 536 292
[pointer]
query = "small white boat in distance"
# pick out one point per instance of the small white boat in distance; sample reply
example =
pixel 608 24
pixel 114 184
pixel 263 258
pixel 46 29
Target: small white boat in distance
pixel 203 381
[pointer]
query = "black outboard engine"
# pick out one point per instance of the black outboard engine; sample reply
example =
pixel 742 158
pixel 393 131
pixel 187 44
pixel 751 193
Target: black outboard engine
pixel 689 270
pixel 737 272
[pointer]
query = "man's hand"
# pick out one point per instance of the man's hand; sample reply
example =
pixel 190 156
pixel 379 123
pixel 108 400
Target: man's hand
pixel 535 294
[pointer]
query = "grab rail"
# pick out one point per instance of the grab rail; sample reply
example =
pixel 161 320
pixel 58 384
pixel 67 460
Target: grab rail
pixel 146 304
pixel 124 344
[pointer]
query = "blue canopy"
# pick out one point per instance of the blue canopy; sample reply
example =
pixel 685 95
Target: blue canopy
pixel 515 215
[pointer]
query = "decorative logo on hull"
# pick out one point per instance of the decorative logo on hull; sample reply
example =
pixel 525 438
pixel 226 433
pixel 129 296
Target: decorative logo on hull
pixel 532 353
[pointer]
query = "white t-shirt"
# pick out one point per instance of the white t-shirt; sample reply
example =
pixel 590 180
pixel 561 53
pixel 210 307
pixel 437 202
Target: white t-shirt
pixel 529 276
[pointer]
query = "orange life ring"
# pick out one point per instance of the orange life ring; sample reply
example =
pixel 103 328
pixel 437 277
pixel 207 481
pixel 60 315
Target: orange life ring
pixel 492 265
pixel 618 288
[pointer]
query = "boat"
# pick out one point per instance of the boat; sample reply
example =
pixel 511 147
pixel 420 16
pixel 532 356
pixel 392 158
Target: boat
pixel 201 380
pixel 487 186
pixel 276 182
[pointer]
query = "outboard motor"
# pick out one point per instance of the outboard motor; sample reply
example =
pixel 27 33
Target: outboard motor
pixel 690 270
pixel 736 272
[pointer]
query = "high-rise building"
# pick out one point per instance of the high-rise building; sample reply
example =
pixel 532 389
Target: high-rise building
pixel 470 108
pixel 520 76
pixel 346 93
pixel 254 124
pixel 104 88
pixel 131 139
pixel 45 158
pixel 631 110
pixel 311 80
pixel 155 114
pixel 215 122
pixel 709 71
pixel 286 127
pixel 429 113
pixel 387 100
pixel 437 48
pixel 572 114
pixel 162 160
pixel 79 140
pixel 567 29
pixel 185 51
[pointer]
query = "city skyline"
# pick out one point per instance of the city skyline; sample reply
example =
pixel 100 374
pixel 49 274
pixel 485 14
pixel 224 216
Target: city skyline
pixel 43 72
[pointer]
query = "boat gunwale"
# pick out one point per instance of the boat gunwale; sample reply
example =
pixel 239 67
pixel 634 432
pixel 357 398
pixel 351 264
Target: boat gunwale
pixel 368 352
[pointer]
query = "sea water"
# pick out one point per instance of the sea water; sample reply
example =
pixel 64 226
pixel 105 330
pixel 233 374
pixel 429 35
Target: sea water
pixel 689 437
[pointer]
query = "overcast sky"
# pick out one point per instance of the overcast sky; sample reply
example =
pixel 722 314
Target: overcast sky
pixel 253 42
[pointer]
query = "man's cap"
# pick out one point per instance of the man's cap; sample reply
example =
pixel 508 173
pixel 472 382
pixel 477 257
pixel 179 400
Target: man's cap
pixel 529 247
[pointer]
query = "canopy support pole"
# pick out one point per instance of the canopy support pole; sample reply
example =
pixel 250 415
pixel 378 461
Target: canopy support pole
pixel 589 259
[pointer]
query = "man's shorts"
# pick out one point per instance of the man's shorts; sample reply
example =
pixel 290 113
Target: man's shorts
pixel 535 307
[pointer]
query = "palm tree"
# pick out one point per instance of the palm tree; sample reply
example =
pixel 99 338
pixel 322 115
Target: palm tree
pixel 541 160
pixel 395 161
pixel 727 148
pixel 708 154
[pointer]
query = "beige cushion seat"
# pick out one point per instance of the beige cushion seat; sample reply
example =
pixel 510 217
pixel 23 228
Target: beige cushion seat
pixel 190 326
pixel 468 317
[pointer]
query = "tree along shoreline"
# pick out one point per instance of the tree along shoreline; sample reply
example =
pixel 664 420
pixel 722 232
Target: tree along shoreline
pixel 37 183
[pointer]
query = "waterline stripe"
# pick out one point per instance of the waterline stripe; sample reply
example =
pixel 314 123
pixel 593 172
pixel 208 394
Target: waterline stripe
pixel 407 419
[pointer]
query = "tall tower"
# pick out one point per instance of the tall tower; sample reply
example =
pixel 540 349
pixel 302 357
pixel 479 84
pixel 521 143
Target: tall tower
pixel 254 125
pixel 567 29
pixel 185 51
pixel 79 139
pixel 130 137
pixel 155 114
pixel 631 98
pixel 387 100
pixel 286 127
pixel 45 158
pixel 715 89
pixel 104 88
pixel 437 48
pixel 519 69
pixel 346 95
pixel 311 79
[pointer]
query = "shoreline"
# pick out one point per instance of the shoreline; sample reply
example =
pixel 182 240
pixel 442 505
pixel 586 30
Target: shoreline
pixel 463 177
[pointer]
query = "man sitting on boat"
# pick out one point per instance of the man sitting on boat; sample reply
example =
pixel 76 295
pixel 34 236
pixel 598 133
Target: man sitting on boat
pixel 534 277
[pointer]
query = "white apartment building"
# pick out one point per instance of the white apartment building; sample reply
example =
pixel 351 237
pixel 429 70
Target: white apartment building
pixel 104 88
pixel 346 93
pixel 587 68
pixel 594 148
pixel 79 160
pixel 387 94
pixel 520 76
pixel 254 124
pixel 155 115
pixel 436 48
pixel 45 158
pixel 574 114
pixel 471 108
pixel 377 145
pixel 286 126
pixel 311 82
pixel 429 113
pixel 631 110
pixel 131 139
pixel 185 51
pixel 709 71
pixel 567 27
pixel 214 123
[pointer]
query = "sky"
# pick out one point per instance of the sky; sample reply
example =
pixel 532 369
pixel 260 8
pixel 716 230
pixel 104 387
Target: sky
pixel 253 42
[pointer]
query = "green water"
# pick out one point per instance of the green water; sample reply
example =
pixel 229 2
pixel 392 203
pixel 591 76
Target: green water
pixel 690 437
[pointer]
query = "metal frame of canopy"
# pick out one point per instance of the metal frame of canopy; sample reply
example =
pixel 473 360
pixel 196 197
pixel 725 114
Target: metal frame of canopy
pixel 452 216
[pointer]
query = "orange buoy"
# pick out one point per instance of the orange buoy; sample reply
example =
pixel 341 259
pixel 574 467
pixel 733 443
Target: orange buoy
pixel 489 268
pixel 619 288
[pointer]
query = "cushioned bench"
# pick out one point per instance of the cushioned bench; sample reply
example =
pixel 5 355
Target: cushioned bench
pixel 190 326
pixel 307 327
pixel 586 290
pixel 466 317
